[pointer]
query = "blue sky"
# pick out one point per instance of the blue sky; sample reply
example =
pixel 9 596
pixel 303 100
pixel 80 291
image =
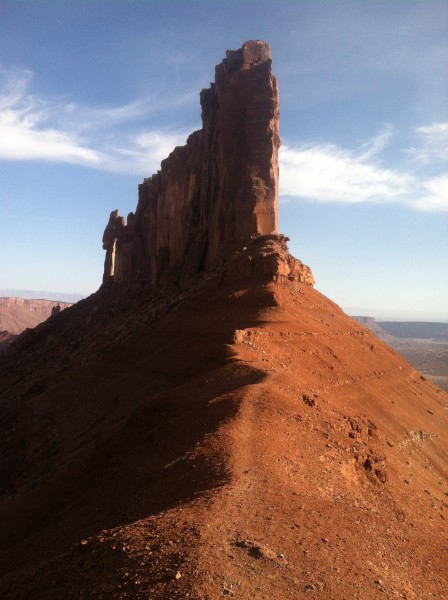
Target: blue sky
pixel 94 93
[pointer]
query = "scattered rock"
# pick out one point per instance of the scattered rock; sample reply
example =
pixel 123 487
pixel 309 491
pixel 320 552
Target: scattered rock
pixel 257 550
pixel 310 400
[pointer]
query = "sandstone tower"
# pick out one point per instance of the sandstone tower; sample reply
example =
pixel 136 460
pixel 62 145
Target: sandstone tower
pixel 212 194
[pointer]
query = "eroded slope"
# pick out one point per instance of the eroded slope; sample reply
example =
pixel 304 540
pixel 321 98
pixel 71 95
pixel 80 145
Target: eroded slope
pixel 251 441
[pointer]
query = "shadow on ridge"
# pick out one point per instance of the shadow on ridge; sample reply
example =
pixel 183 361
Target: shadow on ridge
pixel 127 436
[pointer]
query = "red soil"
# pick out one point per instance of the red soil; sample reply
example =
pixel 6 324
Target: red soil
pixel 252 442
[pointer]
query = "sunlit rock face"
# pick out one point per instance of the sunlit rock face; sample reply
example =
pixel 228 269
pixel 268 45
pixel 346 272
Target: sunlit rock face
pixel 212 194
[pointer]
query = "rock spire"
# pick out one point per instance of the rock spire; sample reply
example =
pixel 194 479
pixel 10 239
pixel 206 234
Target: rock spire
pixel 212 194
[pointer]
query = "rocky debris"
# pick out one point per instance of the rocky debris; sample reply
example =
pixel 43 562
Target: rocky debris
pixel 266 257
pixel 256 550
pixel 310 400
pixel 374 467
pixel 212 194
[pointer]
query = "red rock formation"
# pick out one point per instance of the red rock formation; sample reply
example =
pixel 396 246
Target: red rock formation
pixel 266 257
pixel 214 193
pixel 111 233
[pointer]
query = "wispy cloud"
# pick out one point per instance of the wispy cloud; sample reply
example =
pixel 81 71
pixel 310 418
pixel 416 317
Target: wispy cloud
pixel 84 118
pixel 24 134
pixel 142 154
pixel 432 144
pixel 433 196
pixel 378 143
pixel 58 131
pixel 328 173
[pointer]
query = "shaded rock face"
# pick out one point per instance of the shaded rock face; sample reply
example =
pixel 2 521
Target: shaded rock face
pixel 212 194
pixel 5 339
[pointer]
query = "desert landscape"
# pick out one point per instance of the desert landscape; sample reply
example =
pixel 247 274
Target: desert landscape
pixel 423 344
pixel 18 314
pixel 208 424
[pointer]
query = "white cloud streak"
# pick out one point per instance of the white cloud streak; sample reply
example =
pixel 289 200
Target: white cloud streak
pixel 327 173
pixel 23 135
pixel 32 129
pixel 378 143
pixel 434 196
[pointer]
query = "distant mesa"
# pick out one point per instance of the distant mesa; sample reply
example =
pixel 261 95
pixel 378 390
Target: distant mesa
pixel 375 328
pixel 18 314
pixel 416 329
pixel 214 195
pixel 63 297
pixel 392 330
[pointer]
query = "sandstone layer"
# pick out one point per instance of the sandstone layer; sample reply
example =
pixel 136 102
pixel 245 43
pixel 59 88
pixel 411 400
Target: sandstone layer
pixel 213 194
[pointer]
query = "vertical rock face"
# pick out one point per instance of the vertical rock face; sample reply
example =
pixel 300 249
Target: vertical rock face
pixel 110 236
pixel 215 192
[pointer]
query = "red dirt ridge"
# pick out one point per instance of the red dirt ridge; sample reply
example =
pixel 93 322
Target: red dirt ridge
pixel 242 438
